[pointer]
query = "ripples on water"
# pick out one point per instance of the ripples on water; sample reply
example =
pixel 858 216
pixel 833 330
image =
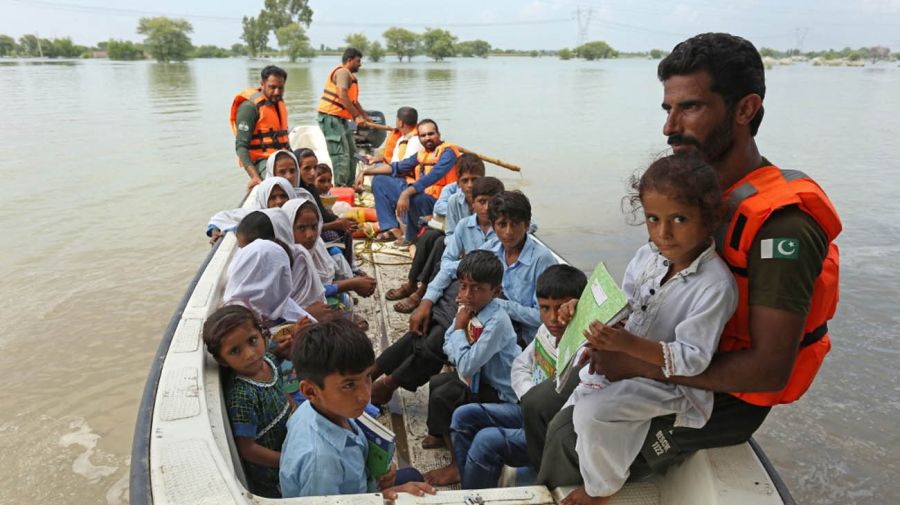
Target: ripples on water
pixel 111 170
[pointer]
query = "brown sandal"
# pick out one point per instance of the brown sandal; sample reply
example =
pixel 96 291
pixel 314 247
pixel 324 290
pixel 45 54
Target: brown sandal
pixel 408 304
pixel 400 293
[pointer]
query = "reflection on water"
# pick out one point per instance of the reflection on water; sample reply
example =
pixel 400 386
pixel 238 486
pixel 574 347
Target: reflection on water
pixel 114 167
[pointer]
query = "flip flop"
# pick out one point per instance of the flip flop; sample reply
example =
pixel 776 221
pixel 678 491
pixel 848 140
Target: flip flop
pixel 401 243
pixel 407 305
pixel 400 293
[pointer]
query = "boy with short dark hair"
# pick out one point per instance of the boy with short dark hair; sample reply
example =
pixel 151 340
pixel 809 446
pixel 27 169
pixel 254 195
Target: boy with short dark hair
pixel 486 437
pixel 325 450
pixel 481 344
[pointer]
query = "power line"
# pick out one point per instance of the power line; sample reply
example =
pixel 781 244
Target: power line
pixel 116 11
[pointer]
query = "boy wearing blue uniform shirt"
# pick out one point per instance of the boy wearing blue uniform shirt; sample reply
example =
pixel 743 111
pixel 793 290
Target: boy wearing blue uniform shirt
pixel 487 436
pixel 325 450
pixel 481 344
pixel 523 259
pixel 416 356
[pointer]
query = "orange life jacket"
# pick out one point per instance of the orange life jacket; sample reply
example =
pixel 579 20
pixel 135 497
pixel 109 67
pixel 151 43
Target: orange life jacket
pixel 755 198
pixel 330 103
pixel 392 140
pixel 270 133
pixel 427 161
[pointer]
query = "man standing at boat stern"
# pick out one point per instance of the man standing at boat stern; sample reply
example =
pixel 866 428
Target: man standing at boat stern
pixel 259 121
pixel 338 106
pixel 778 240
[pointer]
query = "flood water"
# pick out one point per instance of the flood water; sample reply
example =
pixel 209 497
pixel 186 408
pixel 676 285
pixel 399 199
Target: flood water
pixel 110 171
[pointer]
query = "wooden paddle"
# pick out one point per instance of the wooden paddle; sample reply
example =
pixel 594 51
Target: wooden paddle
pixel 495 161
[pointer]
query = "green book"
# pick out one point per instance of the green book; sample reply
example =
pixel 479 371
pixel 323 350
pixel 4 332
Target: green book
pixel 382 445
pixel 602 300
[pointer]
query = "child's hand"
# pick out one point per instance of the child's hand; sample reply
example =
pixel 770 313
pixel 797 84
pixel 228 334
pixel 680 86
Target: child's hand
pixel 413 488
pixel 387 480
pixel 215 236
pixel 567 311
pixel 607 338
pixel 364 286
pixel 283 349
pixel 319 310
pixel 464 314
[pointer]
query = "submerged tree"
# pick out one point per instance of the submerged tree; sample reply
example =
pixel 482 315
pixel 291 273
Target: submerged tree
pixel 359 41
pixel 256 35
pixel 376 52
pixel 595 50
pixel 469 48
pixel 7 45
pixel 293 40
pixel 438 44
pixel 123 50
pixel 166 39
pixel 402 42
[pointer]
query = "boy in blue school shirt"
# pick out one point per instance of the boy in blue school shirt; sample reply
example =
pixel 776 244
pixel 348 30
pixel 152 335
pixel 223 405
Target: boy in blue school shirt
pixel 481 344
pixel 325 450
pixel 523 259
pixel 486 437
pixel 416 356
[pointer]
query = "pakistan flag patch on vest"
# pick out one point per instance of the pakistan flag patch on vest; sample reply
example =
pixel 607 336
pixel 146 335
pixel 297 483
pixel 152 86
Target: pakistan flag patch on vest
pixel 779 248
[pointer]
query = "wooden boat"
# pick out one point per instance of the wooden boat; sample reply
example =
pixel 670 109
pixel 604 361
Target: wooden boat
pixel 184 453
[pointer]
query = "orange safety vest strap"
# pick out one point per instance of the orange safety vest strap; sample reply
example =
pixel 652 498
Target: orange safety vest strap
pixel 270 133
pixel 330 102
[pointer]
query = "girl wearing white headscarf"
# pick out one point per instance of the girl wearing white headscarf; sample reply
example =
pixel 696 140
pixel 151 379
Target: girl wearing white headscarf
pixel 333 269
pixel 260 277
pixel 227 220
pixel 307 286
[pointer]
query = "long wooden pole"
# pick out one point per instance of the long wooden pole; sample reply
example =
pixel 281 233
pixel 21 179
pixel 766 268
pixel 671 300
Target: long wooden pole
pixel 489 159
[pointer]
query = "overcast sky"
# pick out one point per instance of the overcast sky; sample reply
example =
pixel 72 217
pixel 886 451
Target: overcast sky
pixel 516 24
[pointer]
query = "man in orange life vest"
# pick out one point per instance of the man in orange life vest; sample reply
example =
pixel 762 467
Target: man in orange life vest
pixel 260 123
pixel 402 143
pixel 779 243
pixel 408 188
pixel 339 105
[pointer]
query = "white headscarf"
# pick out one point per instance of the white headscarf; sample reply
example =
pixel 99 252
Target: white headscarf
pixel 270 165
pixel 322 261
pixel 260 276
pixel 307 287
pixel 264 190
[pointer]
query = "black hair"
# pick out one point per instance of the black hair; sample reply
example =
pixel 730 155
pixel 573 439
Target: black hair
pixel 273 70
pixel 223 321
pixel 337 346
pixel 481 266
pixel 308 205
pixel 733 63
pixel 256 225
pixel 513 205
pixel 468 163
pixel 687 179
pixel 408 115
pixel 490 186
pixel 322 168
pixel 559 282
pixel 430 121
pixel 350 53
pixel 304 152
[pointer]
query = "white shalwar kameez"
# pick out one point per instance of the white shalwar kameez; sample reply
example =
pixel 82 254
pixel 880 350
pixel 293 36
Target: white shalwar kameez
pixel 688 313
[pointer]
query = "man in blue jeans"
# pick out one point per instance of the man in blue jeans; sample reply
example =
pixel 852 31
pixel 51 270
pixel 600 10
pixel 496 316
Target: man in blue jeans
pixel 410 187
pixel 486 436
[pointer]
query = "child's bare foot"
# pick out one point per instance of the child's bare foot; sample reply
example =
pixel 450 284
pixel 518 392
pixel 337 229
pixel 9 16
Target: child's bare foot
pixel 580 497
pixel 443 476
pixel 433 442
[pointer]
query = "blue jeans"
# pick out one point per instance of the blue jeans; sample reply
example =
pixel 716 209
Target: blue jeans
pixel 387 189
pixel 486 436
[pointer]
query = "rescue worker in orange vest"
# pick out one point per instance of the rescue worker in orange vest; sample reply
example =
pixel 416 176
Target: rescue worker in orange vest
pixel 402 143
pixel 259 121
pixel 338 106
pixel 408 188
pixel 779 243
